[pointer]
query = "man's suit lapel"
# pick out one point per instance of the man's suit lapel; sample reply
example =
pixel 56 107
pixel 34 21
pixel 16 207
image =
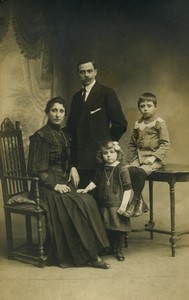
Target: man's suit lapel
pixel 80 105
pixel 91 99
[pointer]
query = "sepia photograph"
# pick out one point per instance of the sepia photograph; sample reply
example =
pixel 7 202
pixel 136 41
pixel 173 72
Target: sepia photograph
pixel 94 160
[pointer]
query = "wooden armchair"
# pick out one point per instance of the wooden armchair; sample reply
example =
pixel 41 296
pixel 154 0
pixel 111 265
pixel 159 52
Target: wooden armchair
pixel 15 188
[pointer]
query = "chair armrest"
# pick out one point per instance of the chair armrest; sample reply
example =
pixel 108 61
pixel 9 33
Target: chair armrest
pixel 35 180
pixel 22 177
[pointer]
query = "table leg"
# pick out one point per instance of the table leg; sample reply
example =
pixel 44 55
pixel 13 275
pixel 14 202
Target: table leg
pixel 173 237
pixel 151 223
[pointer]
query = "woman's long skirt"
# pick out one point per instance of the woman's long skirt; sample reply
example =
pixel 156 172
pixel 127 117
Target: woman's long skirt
pixel 75 229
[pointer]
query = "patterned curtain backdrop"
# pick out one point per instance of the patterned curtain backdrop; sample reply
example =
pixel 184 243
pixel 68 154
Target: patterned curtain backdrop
pixel 29 23
pixel 28 77
pixel 5 10
pixel 33 35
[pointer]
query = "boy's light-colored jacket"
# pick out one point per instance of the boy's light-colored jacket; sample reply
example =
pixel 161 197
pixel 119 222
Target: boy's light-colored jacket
pixel 149 139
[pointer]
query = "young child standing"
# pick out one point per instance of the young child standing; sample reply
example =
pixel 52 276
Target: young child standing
pixel 113 192
pixel 147 150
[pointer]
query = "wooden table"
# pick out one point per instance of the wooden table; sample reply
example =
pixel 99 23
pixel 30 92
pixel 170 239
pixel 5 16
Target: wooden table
pixel 171 174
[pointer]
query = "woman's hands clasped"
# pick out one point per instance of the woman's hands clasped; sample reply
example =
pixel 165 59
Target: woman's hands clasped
pixel 62 188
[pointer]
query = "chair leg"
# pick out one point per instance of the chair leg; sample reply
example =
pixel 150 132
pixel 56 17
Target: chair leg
pixel 29 232
pixel 40 241
pixel 9 235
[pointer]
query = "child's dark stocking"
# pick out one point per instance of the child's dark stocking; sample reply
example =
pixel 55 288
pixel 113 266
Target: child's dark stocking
pixel 131 207
pixel 112 240
pixel 138 177
pixel 119 245
pixel 140 182
pixel 141 206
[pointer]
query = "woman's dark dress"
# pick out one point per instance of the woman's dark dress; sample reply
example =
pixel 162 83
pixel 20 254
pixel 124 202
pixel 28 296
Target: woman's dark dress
pixel 75 228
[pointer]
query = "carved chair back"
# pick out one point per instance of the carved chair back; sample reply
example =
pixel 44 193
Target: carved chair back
pixel 15 188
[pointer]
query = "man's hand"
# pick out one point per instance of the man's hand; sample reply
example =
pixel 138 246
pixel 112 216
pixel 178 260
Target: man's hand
pixel 74 176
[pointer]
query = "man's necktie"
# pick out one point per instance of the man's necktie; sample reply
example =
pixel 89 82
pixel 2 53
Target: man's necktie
pixel 83 95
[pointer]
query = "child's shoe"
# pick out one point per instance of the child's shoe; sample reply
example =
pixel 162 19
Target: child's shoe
pixel 131 209
pixel 120 242
pixel 141 207
pixel 120 256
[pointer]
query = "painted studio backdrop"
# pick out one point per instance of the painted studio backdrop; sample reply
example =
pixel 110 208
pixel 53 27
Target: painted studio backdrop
pixel 138 46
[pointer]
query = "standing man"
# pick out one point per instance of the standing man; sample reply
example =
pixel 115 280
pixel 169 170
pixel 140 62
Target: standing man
pixel 95 115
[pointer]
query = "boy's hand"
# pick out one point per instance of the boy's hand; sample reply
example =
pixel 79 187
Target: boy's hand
pixel 150 160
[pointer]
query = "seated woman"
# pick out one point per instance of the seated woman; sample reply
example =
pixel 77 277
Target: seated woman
pixel 75 229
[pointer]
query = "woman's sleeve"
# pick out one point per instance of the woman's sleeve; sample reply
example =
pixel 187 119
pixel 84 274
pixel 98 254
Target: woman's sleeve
pixel 38 161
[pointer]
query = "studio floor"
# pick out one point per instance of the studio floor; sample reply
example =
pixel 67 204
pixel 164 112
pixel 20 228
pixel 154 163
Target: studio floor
pixel 148 272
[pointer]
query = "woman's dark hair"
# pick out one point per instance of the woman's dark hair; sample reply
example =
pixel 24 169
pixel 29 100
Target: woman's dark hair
pixel 109 145
pixel 147 97
pixel 54 100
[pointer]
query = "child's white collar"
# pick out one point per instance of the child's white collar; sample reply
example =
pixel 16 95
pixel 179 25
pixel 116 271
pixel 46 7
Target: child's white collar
pixel 113 164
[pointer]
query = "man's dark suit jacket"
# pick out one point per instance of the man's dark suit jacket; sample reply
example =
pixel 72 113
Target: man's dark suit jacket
pixel 98 119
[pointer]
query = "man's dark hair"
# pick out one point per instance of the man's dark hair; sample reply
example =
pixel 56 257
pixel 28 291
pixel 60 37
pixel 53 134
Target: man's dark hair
pixel 86 60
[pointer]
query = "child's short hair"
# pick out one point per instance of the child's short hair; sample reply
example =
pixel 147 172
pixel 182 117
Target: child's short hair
pixel 109 145
pixel 147 97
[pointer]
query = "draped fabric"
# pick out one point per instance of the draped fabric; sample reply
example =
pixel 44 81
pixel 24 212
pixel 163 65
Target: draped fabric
pixel 30 27
pixel 38 88
pixel 5 12
pixel 30 19
pixel 27 37
pixel 34 38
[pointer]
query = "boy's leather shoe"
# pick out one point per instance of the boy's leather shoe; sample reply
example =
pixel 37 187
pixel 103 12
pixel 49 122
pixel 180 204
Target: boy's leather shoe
pixel 141 208
pixel 130 210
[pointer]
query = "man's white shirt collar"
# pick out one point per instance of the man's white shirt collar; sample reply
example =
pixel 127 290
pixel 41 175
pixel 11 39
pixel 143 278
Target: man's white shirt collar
pixel 89 87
